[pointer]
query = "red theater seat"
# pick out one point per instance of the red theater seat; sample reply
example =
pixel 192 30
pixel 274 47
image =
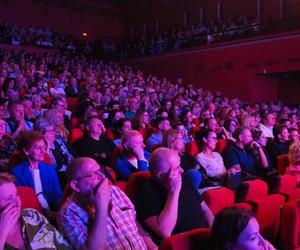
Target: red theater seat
pixel 192 148
pixel 135 181
pixel 282 164
pixel 219 198
pixel 192 240
pixel 266 207
pixel 222 197
pixel 29 199
pixel 290 226
pixel 74 123
pixel 222 145
pixel 288 187
pixel 146 132
pixel 72 103
pixel 75 134
pixel 252 190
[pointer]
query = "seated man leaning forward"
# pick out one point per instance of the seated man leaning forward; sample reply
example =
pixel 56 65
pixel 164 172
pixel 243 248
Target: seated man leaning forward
pixel 133 158
pixel 97 215
pixel 168 204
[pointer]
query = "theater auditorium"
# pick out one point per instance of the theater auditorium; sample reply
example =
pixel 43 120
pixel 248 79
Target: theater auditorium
pixel 149 124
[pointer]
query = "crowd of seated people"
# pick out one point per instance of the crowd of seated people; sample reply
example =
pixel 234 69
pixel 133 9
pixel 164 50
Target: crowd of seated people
pixel 212 32
pixel 43 37
pixel 75 176
pixel 201 34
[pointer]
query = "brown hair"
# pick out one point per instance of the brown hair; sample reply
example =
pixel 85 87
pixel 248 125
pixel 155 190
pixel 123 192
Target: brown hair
pixel 28 138
pixel 228 225
pixel 6 178
pixel 170 137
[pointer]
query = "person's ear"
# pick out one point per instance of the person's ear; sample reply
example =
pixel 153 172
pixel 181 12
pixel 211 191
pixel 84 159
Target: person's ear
pixel 74 186
pixel 205 139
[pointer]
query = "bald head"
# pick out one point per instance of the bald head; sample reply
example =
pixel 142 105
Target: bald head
pixel 161 160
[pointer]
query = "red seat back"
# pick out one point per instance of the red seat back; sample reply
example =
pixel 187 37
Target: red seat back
pixel 74 123
pixel 282 163
pixel 290 225
pixel 134 184
pixel 192 148
pixel 75 134
pixel 219 198
pixel 222 145
pixel 192 240
pixel 254 189
pixel 29 199
pixel 268 211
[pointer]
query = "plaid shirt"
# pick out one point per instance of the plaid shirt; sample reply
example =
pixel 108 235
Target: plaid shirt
pixel 122 231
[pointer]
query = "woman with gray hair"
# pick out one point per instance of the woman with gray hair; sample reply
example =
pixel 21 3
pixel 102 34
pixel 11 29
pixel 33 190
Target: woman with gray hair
pixel 58 151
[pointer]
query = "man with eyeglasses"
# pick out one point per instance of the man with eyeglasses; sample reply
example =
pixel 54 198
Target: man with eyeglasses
pixel 97 215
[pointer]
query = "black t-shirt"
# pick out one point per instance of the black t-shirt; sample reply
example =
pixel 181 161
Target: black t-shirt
pixel 152 198
pixel 101 150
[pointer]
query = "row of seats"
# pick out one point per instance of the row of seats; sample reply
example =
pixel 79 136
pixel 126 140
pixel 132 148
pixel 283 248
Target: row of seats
pixel 199 238
pixel 267 207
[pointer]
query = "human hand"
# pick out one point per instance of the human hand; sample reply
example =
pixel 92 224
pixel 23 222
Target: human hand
pixel 234 169
pixel 101 195
pixel 8 217
pixel 138 152
pixel 254 144
pixel 172 182
pixel 267 245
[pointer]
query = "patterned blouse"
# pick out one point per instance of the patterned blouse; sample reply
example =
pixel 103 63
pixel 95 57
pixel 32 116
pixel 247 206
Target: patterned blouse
pixel 39 234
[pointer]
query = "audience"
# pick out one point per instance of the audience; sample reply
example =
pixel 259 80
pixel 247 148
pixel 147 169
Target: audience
pixel 238 156
pixel 294 160
pixel 162 126
pixel 103 214
pixel 34 173
pixel 280 144
pixel 7 145
pixel 24 228
pixel 166 201
pixel 16 122
pixel 44 83
pixel 93 144
pixel 266 127
pixel 173 140
pixel 133 157
pixel 212 164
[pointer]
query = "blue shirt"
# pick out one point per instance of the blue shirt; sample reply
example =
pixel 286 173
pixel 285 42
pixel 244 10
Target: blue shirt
pixel 152 141
pixel 235 155
pixel 124 168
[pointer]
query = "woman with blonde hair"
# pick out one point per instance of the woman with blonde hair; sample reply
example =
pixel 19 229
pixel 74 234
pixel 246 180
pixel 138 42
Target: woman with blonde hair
pixel 56 118
pixel 294 159
pixel 250 122
pixel 173 140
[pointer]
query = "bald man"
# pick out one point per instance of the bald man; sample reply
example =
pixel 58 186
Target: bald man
pixel 168 204
pixel 97 215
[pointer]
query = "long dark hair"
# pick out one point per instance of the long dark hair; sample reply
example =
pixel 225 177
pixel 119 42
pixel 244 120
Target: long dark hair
pixel 228 225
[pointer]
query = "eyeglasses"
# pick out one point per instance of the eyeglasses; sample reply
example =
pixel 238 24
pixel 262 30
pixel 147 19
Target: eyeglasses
pixel 91 175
